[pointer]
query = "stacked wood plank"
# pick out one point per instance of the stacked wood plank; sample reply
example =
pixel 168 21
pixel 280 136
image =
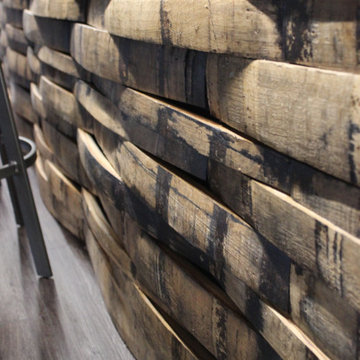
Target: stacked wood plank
pixel 208 153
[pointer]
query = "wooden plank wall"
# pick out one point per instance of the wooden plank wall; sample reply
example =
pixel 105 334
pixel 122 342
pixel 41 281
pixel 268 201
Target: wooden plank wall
pixel 208 153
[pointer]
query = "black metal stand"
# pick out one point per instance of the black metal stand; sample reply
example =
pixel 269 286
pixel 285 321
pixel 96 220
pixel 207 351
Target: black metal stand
pixel 14 170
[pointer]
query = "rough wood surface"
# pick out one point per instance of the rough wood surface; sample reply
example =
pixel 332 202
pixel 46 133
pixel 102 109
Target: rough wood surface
pixel 66 154
pixel 144 329
pixel 161 72
pixel 327 121
pixel 34 63
pixel 19 68
pixel 230 338
pixel 214 153
pixel 60 106
pixel 72 10
pixel 16 39
pixel 21 102
pixel 264 318
pixel 36 29
pixel 37 101
pixel 60 68
pixel 212 26
pixel 61 197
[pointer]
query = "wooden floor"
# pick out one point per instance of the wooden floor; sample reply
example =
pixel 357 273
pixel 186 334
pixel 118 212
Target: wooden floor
pixel 59 318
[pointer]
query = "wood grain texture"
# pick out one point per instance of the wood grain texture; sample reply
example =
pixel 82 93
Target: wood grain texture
pixel 160 72
pixel 312 33
pixel 16 39
pixel 60 106
pixel 21 102
pixel 178 288
pixel 37 101
pixel 327 122
pixel 72 10
pixel 34 64
pixel 211 26
pixel 287 340
pixel 60 196
pixel 143 328
pixel 66 154
pixel 19 68
pixel 60 68
pixel 36 29
pixel 213 153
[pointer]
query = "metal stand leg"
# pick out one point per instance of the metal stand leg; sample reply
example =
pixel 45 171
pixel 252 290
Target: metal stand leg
pixel 19 186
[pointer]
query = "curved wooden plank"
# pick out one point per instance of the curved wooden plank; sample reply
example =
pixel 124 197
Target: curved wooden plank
pixel 16 4
pixel 21 103
pixel 36 29
pixel 19 68
pixel 60 68
pixel 43 148
pixel 186 295
pixel 66 154
pixel 62 199
pixel 327 122
pixel 160 72
pixel 287 340
pixel 148 336
pixel 72 10
pixel 16 39
pixel 34 63
pixel 303 33
pixel 60 106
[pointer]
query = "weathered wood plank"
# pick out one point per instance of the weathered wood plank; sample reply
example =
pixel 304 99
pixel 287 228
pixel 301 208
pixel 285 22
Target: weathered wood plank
pixel 21 103
pixel 320 33
pixel 324 315
pixel 34 63
pixel 149 335
pixel 61 197
pixel 72 10
pixel 287 340
pixel 213 153
pixel 66 154
pixel 36 29
pixel 211 26
pixel 161 72
pixel 43 148
pixel 179 289
pixel 16 39
pixel 37 101
pixel 19 68
pixel 60 106
pixel 60 68
pixel 326 122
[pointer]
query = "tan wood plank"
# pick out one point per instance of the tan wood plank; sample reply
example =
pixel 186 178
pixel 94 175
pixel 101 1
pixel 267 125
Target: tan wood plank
pixel 160 72
pixel 323 130
pixel 21 103
pixel 46 31
pixel 149 335
pixel 16 4
pixel 287 340
pixel 16 39
pixel 19 68
pixel 72 10
pixel 60 106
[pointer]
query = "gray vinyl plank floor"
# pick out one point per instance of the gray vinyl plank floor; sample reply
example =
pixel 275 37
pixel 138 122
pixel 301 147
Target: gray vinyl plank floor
pixel 59 318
